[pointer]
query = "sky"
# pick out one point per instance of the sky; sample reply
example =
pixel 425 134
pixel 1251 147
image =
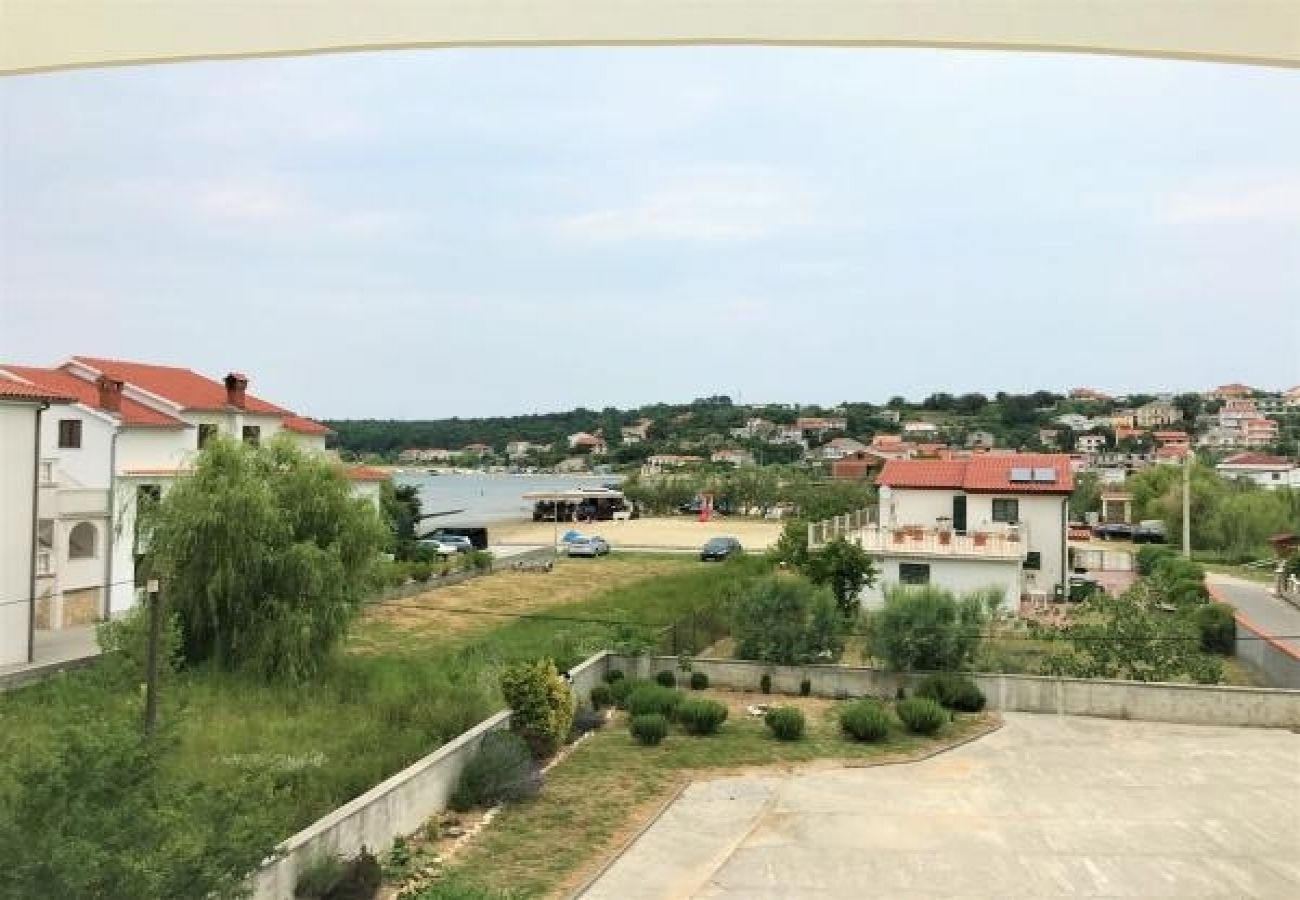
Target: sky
pixel 429 233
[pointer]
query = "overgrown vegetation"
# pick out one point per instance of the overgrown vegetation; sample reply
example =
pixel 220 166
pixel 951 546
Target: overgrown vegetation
pixel 501 771
pixel 928 628
pixel 785 619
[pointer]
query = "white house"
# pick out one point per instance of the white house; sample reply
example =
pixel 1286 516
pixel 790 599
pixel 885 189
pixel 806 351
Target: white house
pixel 991 521
pixel 1266 471
pixel 920 429
pixel 127 431
pixel 1090 443
pixel 23 409
pixel 839 448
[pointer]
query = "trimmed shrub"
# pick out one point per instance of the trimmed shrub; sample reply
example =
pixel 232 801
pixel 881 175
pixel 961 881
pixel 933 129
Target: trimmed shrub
pixel 586 720
pixel 953 691
pixel 541 704
pixel 421 571
pixel 666 678
pixel 1149 555
pixel 699 681
pixel 700 716
pixel 865 720
pixel 786 722
pixel 621 689
pixel 1218 628
pixel 921 715
pixel 502 770
pixel 765 683
pixel 653 698
pixel 805 688
pixel 602 696
pixel 649 729
pixel 614 675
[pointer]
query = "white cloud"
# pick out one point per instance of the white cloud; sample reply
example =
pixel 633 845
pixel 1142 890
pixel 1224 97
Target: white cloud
pixel 706 205
pixel 1252 197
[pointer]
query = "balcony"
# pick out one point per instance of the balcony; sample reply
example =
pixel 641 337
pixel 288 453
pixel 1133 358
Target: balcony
pixel 83 502
pixel 917 540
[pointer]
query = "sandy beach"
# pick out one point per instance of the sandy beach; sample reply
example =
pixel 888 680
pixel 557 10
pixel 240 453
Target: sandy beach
pixel 677 532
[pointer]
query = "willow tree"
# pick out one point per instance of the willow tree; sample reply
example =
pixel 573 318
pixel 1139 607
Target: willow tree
pixel 265 557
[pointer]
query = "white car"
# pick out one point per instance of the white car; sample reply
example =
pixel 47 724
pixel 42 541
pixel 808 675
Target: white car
pixel 588 546
pixel 439 547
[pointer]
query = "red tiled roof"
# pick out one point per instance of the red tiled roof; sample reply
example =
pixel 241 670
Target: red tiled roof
pixel 304 425
pixel 982 473
pixel 1259 459
pixel 1173 451
pixel 12 389
pixel 365 473
pixel 187 389
pixel 85 392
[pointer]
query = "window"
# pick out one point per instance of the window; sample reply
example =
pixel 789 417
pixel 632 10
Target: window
pixel 253 434
pixel 45 534
pixel 914 573
pixel 1033 560
pixel 206 433
pixel 81 541
pixel 1006 509
pixel 69 434
pixel 1277 476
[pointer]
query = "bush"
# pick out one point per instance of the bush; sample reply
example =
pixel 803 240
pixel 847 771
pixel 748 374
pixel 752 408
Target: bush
pixel 541 703
pixel 602 696
pixel 700 716
pixel 622 688
pixel 502 770
pixel 318 878
pixel 649 729
pixel 953 691
pixel 926 628
pixel 865 720
pixel 421 571
pixel 786 722
pixel 786 620
pixel 921 715
pixel 667 679
pixel 653 698
pixel 1218 628
pixel 765 683
pixel 481 560
pixel 330 878
pixel 699 681
pixel 805 687
pixel 1149 555
pixel 614 675
pixel 585 720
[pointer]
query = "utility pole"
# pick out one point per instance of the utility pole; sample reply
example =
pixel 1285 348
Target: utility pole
pixel 1187 504
pixel 151 672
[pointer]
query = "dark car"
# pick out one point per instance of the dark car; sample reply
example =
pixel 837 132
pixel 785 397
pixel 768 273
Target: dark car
pixel 720 507
pixel 1113 531
pixel 458 541
pixel 1150 531
pixel 719 548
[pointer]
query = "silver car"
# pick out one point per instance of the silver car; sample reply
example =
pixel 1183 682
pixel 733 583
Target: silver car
pixel 588 546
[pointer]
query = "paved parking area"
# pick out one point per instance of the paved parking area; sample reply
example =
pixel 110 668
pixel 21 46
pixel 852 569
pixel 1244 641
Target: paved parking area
pixel 1049 806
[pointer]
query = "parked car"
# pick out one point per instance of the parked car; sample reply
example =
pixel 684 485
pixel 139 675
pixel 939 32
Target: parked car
pixel 587 546
pixel 1113 531
pixel 458 542
pixel 721 507
pixel 1150 531
pixel 720 548
pixel 440 548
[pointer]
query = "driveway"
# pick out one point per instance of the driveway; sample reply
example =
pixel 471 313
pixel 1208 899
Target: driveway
pixel 1257 603
pixel 1049 806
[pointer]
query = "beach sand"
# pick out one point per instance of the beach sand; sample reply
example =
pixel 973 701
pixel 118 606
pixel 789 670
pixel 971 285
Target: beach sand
pixel 677 532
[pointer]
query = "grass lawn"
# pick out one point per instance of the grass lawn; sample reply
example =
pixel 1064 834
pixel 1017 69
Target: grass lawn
pixel 408 682
pixel 594 801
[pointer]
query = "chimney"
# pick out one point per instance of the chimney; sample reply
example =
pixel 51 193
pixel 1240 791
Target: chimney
pixel 236 385
pixel 110 393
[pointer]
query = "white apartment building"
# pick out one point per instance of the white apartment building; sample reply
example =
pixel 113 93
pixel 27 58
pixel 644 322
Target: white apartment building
pixel 991 521
pixel 128 431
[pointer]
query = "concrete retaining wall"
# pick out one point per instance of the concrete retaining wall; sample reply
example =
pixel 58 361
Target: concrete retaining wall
pixel 398 806
pixel 1154 702
pixel 1278 663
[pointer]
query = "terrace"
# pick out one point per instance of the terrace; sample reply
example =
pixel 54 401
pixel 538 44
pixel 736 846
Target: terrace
pixel 862 527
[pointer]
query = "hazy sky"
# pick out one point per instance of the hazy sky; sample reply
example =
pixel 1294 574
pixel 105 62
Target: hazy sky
pixel 434 233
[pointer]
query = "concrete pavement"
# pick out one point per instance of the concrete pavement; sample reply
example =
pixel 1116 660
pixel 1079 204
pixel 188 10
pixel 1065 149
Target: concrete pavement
pixel 1049 806
pixel 1257 603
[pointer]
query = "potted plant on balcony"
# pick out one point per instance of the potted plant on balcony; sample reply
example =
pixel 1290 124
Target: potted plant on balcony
pixel 981 538
pixel 944 530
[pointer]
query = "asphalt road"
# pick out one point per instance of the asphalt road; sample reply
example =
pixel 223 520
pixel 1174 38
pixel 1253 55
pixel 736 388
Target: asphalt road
pixel 1276 617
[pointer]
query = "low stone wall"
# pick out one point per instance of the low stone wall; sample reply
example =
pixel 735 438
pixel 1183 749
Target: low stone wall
pixel 397 806
pixel 1154 702
pixel 1278 663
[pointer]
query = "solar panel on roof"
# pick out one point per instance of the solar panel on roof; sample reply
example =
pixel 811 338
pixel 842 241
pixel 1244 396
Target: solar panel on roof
pixel 1019 474
pixel 1045 475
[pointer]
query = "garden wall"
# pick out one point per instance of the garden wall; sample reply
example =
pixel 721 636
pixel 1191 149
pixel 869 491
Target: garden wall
pixel 1154 702
pixel 397 806
pixel 1277 662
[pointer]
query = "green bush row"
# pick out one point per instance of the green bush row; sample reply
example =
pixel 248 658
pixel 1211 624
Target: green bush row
pixel 952 691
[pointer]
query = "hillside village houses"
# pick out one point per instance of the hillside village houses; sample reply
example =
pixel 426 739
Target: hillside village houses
pixel 988 521
pixel 114 435
pixel 816 426
pixel 732 456
pixel 1090 443
pixel 1271 472
pixel 425 454
pixel 589 443
pixel 636 434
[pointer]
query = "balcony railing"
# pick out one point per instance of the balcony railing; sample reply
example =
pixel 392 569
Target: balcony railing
pixel 820 533
pixel 905 540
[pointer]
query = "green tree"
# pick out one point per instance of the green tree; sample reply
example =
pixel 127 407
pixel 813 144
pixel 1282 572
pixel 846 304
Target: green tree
pixel 846 569
pixel 106 817
pixel 541 704
pixel 791 548
pixel 927 628
pixel 265 556
pixel 1086 496
pixel 400 507
pixel 786 620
